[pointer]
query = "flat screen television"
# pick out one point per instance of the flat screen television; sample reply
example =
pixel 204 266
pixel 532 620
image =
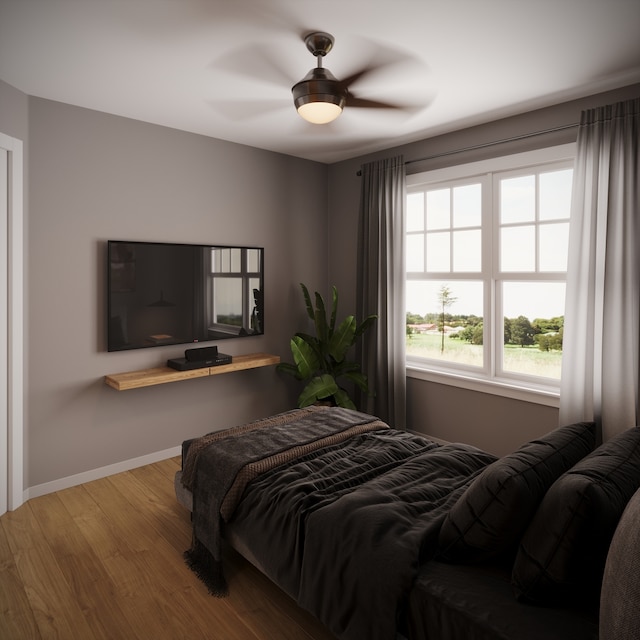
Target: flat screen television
pixel 164 293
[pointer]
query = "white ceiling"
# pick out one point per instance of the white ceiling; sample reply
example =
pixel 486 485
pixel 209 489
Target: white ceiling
pixel 225 68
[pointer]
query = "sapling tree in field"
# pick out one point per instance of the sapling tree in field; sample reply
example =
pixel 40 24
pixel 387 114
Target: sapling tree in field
pixel 445 300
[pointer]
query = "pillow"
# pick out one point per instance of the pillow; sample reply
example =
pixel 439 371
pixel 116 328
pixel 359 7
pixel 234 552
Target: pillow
pixel 492 514
pixel 562 555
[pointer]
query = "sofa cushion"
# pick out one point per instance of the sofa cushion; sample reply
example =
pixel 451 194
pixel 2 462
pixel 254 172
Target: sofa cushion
pixel 562 555
pixel 492 514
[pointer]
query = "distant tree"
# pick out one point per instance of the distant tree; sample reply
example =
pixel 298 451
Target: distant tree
pixel 472 333
pixel 445 299
pixel 550 341
pixel 477 336
pixel 522 332
pixel 414 318
pixel 544 341
pixel 507 331
pixel 548 325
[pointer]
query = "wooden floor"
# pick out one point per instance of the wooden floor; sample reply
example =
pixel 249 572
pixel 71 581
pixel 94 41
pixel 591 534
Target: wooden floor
pixel 104 560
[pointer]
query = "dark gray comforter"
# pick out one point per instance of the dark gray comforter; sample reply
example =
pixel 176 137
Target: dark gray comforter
pixel 344 528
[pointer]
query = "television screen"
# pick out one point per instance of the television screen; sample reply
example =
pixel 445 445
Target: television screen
pixel 163 293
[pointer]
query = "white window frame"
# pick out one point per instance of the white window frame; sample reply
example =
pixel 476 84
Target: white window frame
pixel 490 379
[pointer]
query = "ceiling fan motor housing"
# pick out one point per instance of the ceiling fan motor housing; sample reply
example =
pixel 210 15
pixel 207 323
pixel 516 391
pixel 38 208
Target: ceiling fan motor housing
pixel 319 85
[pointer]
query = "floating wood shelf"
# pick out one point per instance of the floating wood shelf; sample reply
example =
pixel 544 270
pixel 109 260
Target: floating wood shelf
pixel 162 375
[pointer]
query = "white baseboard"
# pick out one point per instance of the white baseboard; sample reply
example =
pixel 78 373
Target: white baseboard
pixel 102 472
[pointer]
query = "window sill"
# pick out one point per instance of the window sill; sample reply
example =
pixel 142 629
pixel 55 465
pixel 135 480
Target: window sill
pixel 506 389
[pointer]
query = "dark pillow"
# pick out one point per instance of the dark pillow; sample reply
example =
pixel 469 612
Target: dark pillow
pixel 492 514
pixel 562 555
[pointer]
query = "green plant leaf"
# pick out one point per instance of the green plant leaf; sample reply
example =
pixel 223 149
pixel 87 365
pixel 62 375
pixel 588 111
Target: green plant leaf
pixel 315 345
pixel 359 379
pixel 334 307
pixel 312 341
pixel 342 339
pixel 307 301
pixel 343 368
pixel 322 329
pixel 304 357
pixel 318 388
pixel 291 369
pixel 364 326
pixel 342 399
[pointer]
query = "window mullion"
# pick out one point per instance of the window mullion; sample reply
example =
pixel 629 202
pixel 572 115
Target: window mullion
pixel 488 269
pixel 537 220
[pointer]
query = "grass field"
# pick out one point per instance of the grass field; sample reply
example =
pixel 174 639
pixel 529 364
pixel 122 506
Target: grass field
pixel 526 360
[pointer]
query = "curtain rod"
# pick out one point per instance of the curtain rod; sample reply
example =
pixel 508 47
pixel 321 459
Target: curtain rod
pixel 491 144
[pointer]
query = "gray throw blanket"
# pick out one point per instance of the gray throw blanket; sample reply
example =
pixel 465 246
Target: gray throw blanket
pixel 218 467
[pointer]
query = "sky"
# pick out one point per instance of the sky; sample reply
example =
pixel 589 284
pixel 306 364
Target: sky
pixel 532 300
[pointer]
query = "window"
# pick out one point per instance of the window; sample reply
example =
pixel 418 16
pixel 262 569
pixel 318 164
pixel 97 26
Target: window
pixel 486 261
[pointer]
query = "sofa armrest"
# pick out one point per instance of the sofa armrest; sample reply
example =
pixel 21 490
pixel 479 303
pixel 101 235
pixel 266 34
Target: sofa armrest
pixel 620 596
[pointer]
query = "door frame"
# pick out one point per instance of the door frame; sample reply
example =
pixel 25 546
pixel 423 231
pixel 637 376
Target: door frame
pixel 12 351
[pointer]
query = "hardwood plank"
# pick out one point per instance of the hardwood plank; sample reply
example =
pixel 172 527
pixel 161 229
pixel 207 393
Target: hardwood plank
pixel 104 560
pixel 17 620
pixel 54 607
pixel 265 607
pixel 155 490
pixel 166 563
pixel 126 552
pixel 169 570
pixel 90 584
pixel 257 611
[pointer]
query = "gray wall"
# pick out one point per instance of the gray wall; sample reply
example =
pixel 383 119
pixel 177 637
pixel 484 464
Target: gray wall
pixel 92 177
pixel 14 119
pixel 494 423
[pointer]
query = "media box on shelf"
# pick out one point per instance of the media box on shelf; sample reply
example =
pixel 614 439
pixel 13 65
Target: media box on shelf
pixel 199 359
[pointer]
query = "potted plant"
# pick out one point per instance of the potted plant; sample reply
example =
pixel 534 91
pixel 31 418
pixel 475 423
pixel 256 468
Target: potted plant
pixel 321 360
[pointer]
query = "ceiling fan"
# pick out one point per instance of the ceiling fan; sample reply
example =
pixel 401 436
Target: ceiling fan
pixel 320 97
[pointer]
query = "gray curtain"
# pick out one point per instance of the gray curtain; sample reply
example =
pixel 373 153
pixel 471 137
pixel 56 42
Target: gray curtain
pixel 601 349
pixel 380 282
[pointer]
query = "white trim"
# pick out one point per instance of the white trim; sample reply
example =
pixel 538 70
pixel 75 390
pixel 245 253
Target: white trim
pixel 548 397
pixel 501 163
pixel 101 472
pixel 4 334
pixel 15 319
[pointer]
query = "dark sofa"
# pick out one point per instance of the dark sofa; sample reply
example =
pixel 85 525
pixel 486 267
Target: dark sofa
pixel 574 570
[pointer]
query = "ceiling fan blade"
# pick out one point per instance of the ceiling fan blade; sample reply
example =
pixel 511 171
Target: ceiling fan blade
pixel 358 75
pixel 254 62
pixel 381 58
pixel 242 110
pixel 406 108
pixel 363 103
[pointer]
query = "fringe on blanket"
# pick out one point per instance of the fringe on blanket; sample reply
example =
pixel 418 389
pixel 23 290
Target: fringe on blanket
pixel 207 568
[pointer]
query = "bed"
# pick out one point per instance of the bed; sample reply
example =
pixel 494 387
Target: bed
pixel 333 505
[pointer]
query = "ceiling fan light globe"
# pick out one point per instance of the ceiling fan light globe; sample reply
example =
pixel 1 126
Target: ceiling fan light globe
pixel 319 112
pixel 319 98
